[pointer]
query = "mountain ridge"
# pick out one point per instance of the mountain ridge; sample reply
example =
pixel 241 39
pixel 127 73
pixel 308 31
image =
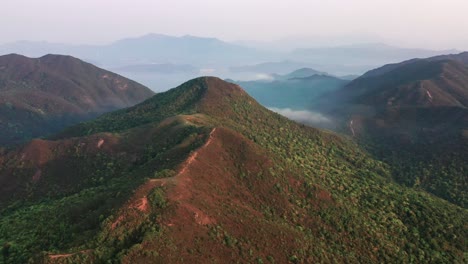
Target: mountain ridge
pixel 195 94
pixel 296 90
pixel 216 177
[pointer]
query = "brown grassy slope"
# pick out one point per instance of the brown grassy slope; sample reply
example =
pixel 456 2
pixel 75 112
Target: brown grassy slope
pixel 41 96
pixel 56 168
pixel 223 205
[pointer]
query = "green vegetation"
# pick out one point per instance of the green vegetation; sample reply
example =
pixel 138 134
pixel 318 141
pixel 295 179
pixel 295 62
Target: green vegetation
pixel 413 115
pixel 319 198
pixel 400 224
pixel 438 168
pixel 60 214
pixel 180 100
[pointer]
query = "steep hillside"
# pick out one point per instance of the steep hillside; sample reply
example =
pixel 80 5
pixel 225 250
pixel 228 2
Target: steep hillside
pixel 42 96
pixel 202 173
pixel 413 115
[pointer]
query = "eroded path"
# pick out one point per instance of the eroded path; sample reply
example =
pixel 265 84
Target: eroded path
pixel 187 162
pixel 182 192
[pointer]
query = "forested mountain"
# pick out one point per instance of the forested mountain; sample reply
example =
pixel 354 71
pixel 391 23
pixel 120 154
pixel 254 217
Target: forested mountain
pixel 203 173
pixel 414 116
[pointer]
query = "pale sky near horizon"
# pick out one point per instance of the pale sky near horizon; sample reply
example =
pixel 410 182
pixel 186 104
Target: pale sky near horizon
pixel 435 24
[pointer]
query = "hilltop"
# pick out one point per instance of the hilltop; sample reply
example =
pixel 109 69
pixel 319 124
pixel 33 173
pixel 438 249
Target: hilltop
pixel 41 96
pixel 203 173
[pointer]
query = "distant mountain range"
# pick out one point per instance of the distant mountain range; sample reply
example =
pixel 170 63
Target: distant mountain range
pixel 204 174
pixel 413 115
pixel 42 96
pixel 299 74
pixel 151 48
pixel 296 90
pixel 213 53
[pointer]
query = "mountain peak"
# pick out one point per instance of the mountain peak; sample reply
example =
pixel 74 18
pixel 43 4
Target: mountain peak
pixel 207 95
pixel 47 61
pixel 65 63
pixel 210 95
pixel 212 87
pixel 13 56
pixel 223 88
pixel 221 98
pixel 304 72
pixel 15 60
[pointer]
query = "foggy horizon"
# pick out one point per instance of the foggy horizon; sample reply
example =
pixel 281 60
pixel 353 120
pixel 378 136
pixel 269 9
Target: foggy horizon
pixel 286 43
pixel 421 24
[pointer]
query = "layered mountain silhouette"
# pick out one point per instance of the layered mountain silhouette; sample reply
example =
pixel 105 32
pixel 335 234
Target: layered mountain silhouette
pixel 42 96
pixel 205 52
pixel 150 48
pixel 414 115
pixel 279 67
pixel 203 173
pixel 299 73
pixel 296 90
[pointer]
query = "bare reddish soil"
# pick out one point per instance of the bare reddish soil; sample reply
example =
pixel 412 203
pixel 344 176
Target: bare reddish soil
pixel 208 193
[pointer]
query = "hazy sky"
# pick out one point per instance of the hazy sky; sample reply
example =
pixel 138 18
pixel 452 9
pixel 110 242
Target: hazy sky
pixel 413 23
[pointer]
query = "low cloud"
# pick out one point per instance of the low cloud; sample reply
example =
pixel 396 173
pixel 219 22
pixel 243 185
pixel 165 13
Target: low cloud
pixel 303 116
pixel 262 77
